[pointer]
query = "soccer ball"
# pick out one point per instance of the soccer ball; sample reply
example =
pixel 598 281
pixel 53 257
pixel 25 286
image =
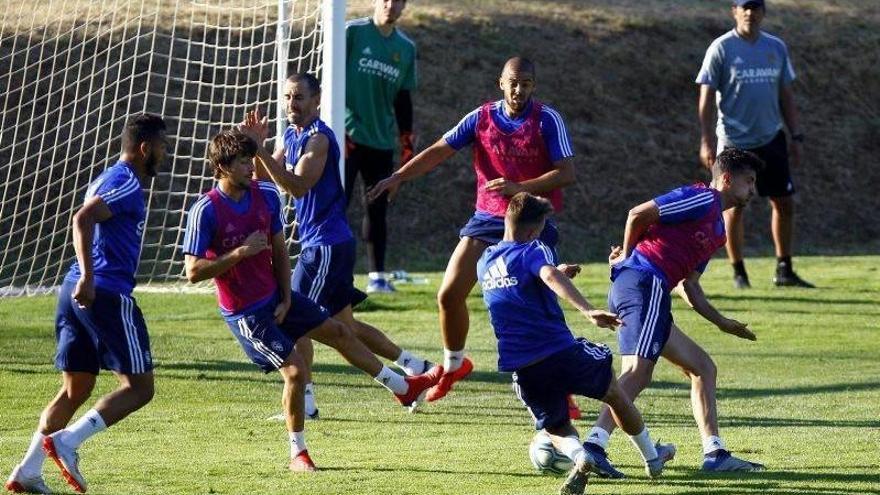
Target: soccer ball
pixel 545 457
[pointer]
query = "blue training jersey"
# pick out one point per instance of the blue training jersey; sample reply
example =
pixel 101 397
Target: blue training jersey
pixel 552 129
pixel 201 224
pixel 320 213
pixel 116 244
pixel 747 78
pixel 524 312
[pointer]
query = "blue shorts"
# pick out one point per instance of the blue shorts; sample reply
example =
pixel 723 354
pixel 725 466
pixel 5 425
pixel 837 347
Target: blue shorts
pixel 582 369
pixel 110 335
pixel 642 302
pixel 325 274
pixel 490 229
pixel 267 344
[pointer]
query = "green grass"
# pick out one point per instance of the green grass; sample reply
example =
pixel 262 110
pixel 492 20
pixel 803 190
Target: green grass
pixel 804 399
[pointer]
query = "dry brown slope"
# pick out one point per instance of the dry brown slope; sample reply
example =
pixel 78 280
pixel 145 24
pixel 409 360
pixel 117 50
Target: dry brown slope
pixel 622 76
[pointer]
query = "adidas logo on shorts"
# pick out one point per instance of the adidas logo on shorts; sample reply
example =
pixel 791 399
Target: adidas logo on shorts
pixel 496 277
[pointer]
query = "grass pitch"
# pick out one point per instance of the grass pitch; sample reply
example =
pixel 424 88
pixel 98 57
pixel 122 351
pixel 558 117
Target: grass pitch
pixel 804 399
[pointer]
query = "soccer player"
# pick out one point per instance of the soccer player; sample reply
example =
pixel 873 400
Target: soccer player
pixel 307 167
pixel 519 144
pixel 747 76
pixel 380 79
pixel 521 282
pixel 668 241
pixel 98 325
pixel 234 235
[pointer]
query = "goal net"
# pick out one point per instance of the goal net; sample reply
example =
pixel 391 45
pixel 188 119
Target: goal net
pixel 72 71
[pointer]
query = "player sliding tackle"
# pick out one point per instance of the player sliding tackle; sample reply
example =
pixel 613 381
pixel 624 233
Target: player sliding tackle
pixel 667 241
pixel 234 235
pixel 521 283
pixel 325 268
pixel 519 145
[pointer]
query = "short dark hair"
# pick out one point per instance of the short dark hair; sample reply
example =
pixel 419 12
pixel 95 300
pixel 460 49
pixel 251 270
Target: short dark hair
pixel 526 209
pixel 226 146
pixel 520 64
pixel 142 128
pixel 736 161
pixel 311 81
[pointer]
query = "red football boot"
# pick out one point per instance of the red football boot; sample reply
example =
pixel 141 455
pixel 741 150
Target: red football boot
pixel 445 384
pixel 418 384
pixel 302 463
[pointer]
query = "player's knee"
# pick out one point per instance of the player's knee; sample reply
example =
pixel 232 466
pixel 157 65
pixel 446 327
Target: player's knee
pixel 703 369
pixel 143 390
pixel 784 206
pixel 337 333
pixel 293 374
pixel 78 392
pixel 448 298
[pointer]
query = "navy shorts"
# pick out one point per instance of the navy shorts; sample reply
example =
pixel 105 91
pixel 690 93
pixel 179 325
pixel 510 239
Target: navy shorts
pixel 582 369
pixel 325 274
pixel 642 302
pixel 110 335
pixel 490 229
pixel 775 180
pixel 268 344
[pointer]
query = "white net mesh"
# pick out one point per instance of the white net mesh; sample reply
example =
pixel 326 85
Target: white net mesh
pixel 70 74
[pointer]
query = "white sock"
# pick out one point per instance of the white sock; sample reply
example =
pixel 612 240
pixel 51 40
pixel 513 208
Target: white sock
pixel 571 446
pixel 598 436
pixel 34 457
pixel 311 407
pixel 392 381
pixel 452 360
pixel 410 363
pixel 643 442
pixel 376 275
pixel 712 443
pixel 90 423
pixel 297 442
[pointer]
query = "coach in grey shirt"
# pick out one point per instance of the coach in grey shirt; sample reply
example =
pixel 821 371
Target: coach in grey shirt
pixel 746 76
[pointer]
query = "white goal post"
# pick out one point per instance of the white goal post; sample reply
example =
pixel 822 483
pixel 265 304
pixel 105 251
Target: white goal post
pixel 71 71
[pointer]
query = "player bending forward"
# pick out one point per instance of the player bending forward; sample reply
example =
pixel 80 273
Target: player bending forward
pixel 234 235
pixel 667 241
pixel 520 284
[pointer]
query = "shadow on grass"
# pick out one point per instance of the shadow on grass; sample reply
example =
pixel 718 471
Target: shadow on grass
pixel 769 298
pixel 655 418
pixel 748 393
pixel 770 481
pixel 410 469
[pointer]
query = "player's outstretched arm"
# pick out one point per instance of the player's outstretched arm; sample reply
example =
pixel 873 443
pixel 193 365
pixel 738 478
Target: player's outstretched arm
pixel 692 292
pixel 423 163
pixel 198 269
pixel 94 211
pixel 562 285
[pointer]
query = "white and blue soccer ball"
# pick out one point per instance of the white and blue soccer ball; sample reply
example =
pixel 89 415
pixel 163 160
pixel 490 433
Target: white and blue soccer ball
pixel 545 457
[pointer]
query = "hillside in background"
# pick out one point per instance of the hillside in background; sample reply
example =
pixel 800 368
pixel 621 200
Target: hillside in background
pixel 621 74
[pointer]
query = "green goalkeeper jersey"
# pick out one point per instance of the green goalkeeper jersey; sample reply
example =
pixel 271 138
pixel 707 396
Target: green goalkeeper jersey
pixel 377 68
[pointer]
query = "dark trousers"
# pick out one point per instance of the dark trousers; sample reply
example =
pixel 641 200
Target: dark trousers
pixel 373 165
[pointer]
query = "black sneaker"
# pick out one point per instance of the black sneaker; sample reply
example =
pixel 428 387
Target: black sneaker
pixel 790 279
pixel 741 281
